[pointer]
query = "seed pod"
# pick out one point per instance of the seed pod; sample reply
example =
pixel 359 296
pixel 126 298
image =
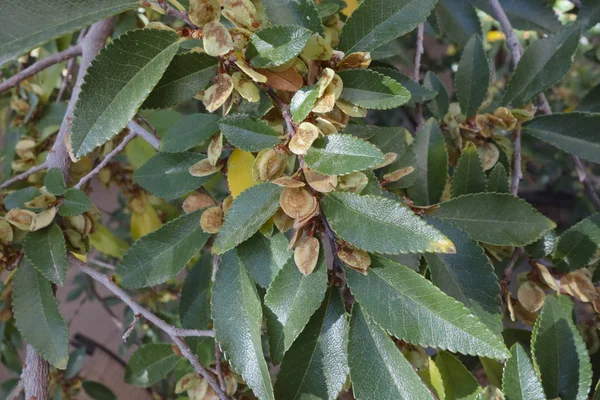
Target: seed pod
pixel 300 222
pixel 355 182
pixel 282 221
pixel 216 39
pixel 215 147
pixel 245 87
pixel 489 155
pixel 326 127
pixel 351 110
pixel 326 102
pixel 319 182
pixel 389 158
pixel 324 80
pixel 288 181
pixel 416 356
pixel 6 232
pixel 579 286
pixel 338 118
pixel 268 165
pixel 332 36
pixel 226 205
pixel 242 13
pixel 204 168
pixel 491 392
pixel 20 218
pixel 245 67
pixel 43 219
pixel 78 243
pixel 531 296
pixel 42 201
pixel 297 202
pixel 24 148
pixel 304 137
pixel 188 382
pixel 286 65
pixel 232 100
pixel 201 12
pixel 397 174
pixel 360 60
pixel 337 85
pixel 507 117
pixel 294 239
pixel 355 258
pixel 547 277
pixel 197 201
pixel 524 114
pixel 524 315
pixel 218 93
pixel 317 48
pixel 306 254
pixel 211 220
pixel 510 306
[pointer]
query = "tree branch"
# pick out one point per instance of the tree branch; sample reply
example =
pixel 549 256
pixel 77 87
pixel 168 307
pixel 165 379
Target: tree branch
pixel 40 65
pixel 23 175
pixel 36 376
pixel 144 134
pixel 512 41
pixel 172 11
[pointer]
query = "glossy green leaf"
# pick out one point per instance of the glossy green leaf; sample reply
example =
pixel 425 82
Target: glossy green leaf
pixel 18 198
pixel 559 353
pixel 418 93
pixel 258 109
pixel 237 316
pixel 432 165
pixel 459 384
pixel 186 75
pixel 339 154
pixel 458 20
pixel 472 77
pixel 294 12
pixel 194 306
pixel 578 245
pixel 276 45
pixel 495 218
pixel 497 181
pixel 117 83
pixel 55 182
pixel 37 316
pixel 535 15
pixel 408 306
pixel 248 133
pixel 160 255
pixel 467 276
pixel 249 211
pixel 290 301
pixel 303 102
pixel 189 132
pixel 544 247
pixel 381 225
pixel 98 391
pixel 376 22
pixel 520 381
pixel 28 24
pixel 316 365
pixel 47 251
pixel 576 133
pixel 440 104
pixel 372 90
pixel 74 202
pixel 167 175
pixel 591 101
pixel 468 176
pixel 263 257
pixel 543 64
pixel 378 370
pixel 149 364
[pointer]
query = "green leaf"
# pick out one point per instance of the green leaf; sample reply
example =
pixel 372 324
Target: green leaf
pixel 18 198
pixel 237 315
pixel 544 247
pixel 408 306
pixel 559 353
pixel 263 257
pixel 418 93
pixel 497 181
pixel 576 133
pixel 469 176
pixel 459 384
pixel 543 64
pixel 189 132
pixel 467 276
pixel 55 182
pixel 167 175
pixel 160 255
pixel 378 370
pixel 303 102
pixel 381 225
pixel 473 76
pixel 294 12
pixel 47 251
pixel 339 154
pixel 106 242
pixel 372 90
pixel 28 24
pixel 376 22
pixel 248 133
pixel 37 316
pixel 186 75
pixel 74 202
pixel 290 301
pixel 98 391
pixel 316 365
pixel 194 306
pixel 116 84
pixel 440 104
pixel 495 218
pixel 249 211
pixel 258 109
pixel 578 245
pixel 530 15
pixel 458 19
pixel 149 364
pixel 520 381
pixel 276 45
pixel 75 363
pixel 591 101
pixel 432 165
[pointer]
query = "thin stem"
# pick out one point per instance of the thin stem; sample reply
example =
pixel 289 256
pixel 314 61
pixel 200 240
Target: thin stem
pixel 136 319
pixel 512 41
pixel 218 356
pixel 517 174
pixel 144 134
pixel 417 73
pixel 23 175
pixel 40 65
pixel 172 11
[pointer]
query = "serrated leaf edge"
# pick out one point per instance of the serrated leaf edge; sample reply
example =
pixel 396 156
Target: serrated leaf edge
pixel 59 279
pixel 384 79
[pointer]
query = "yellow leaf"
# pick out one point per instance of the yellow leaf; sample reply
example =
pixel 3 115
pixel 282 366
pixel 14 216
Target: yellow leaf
pixel 433 378
pixel 82 257
pixel 144 220
pixel 107 242
pixel 352 4
pixel 495 36
pixel 139 151
pixel 239 172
